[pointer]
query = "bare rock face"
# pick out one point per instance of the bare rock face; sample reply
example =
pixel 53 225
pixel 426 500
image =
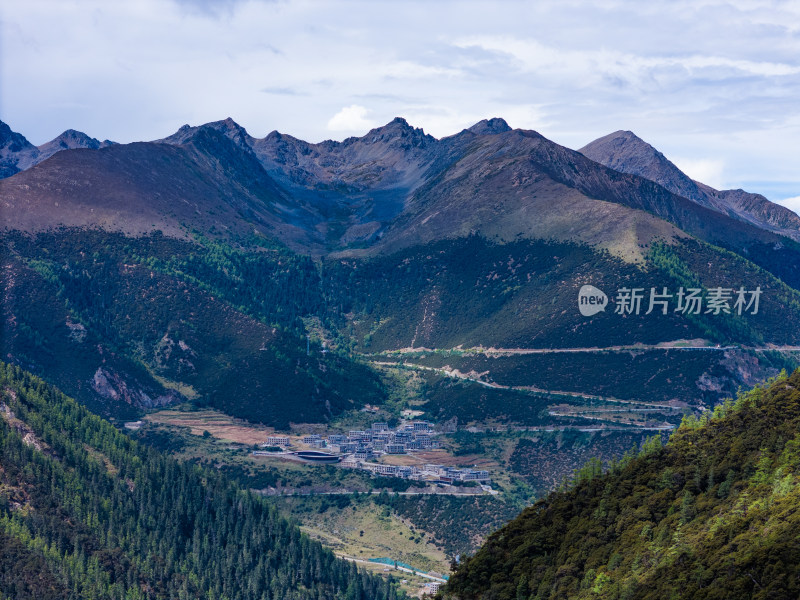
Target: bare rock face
pixel 490 127
pixel 112 386
pixel 625 152
pixel 16 153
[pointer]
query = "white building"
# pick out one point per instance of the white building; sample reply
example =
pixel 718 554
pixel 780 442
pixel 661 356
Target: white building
pixel 278 440
pixel 364 454
pixel 432 588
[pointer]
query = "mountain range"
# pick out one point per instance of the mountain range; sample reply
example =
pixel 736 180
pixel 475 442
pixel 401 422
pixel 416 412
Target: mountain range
pixel 376 175
pixel 18 154
pixel 286 283
pixel 334 195
pixel 389 241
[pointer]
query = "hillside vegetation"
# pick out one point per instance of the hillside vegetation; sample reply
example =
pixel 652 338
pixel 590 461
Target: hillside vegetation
pixel 711 515
pixel 85 512
pixel 130 323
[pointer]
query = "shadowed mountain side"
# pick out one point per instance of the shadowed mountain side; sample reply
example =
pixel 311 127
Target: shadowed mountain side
pixel 550 191
pixel 15 151
pixel 106 317
pixel 352 187
pixel 363 187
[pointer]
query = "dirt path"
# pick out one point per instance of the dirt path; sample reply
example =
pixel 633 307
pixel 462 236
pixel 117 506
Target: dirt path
pixel 473 377
pixel 690 345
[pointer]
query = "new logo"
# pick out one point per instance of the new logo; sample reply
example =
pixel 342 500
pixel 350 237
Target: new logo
pixel 591 300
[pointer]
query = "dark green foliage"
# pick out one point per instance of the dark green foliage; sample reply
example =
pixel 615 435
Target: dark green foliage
pixel 457 523
pixel 270 283
pixel 779 259
pixel 473 292
pixel 711 515
pixel 86 512
pixel 551 458
pixel 446 398
pixel 694 264
pixel 161 315
pixel 24 574
pixel 223 321
pixel 670 374
pixel 467 443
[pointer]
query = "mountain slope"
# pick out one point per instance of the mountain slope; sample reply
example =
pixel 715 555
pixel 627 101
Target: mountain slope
pixel 126 324
pixel 627 153
pixel 393 187
pixel 485 176
pixel 86 512
pixel 386 241
pixel 208 185
pixel 15 151
pixel 396 186
pixel 713 514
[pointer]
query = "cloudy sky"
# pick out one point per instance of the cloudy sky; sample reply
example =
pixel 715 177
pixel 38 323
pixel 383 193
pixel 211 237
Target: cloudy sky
pixel 714 85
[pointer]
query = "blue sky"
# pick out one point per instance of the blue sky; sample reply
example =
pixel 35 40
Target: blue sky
pixel 714 85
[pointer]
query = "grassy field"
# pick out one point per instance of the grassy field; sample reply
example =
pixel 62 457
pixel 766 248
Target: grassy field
pixel 358 528
pixel 218 424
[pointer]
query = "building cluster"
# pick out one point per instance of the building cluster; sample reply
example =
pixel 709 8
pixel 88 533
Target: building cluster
pixel 426 473
pixel 358 448
pixel 378 439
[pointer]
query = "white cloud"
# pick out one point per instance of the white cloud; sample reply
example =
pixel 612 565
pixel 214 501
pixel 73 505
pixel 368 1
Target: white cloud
pixel 351 118
pixel 791 203
pixel 710 171
pixel 530 55
pixel 411 70
pixel 710 80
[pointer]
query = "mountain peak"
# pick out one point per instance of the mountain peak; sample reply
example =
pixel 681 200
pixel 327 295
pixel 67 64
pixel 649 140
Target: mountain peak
pixel 626 152
pixel 16 152
pixel 227 127
pixel 397 129
pixel 11 140
pixel 623 141
pixel 490 126
pixel 396 125
pixel 72 138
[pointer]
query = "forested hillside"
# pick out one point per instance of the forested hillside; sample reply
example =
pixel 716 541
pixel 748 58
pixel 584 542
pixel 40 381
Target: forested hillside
pixel 85 512
pixel 713 514
pixel 124 324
